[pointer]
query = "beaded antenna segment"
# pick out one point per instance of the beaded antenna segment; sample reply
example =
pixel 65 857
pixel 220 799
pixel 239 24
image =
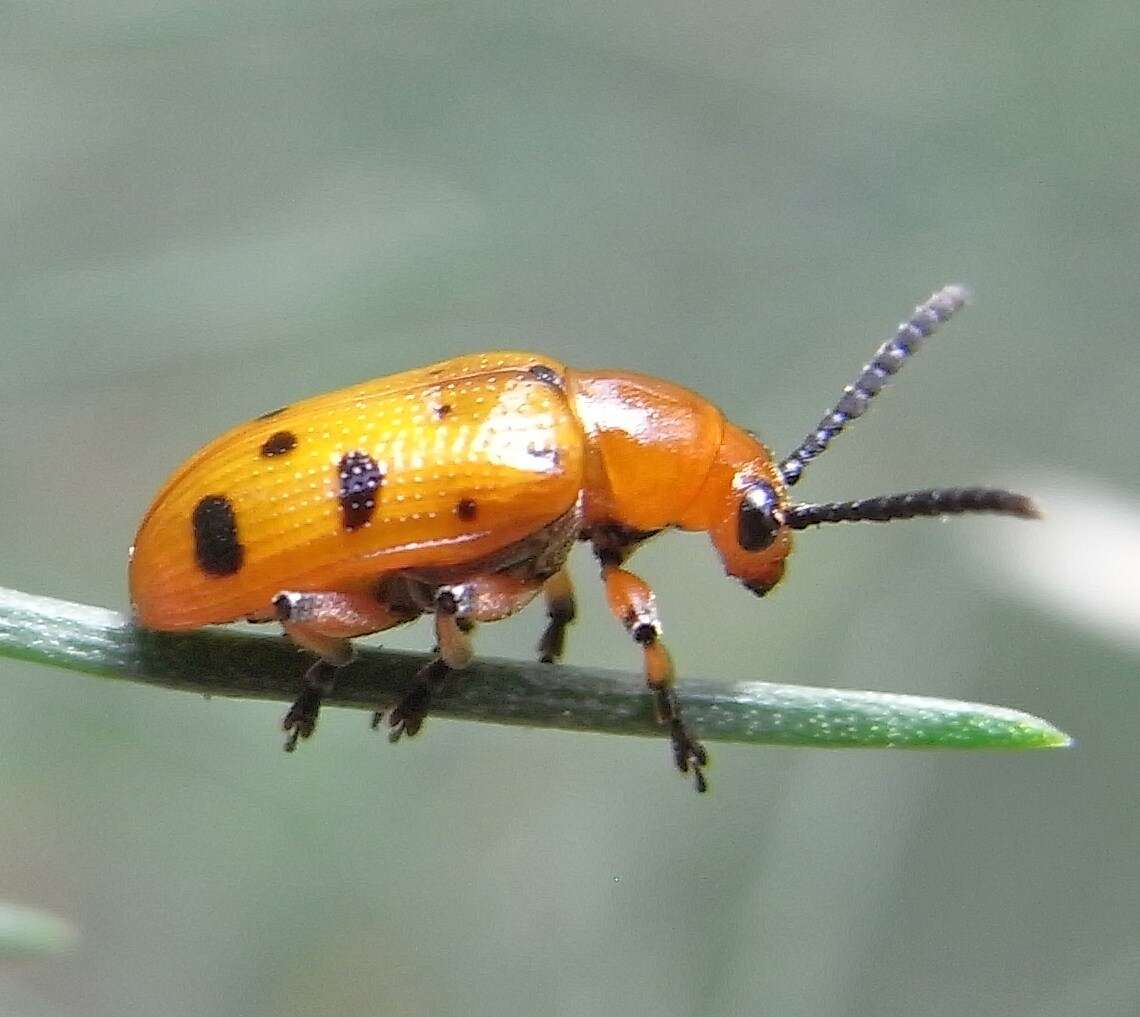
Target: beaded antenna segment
pixel 934 502
pixel 926 319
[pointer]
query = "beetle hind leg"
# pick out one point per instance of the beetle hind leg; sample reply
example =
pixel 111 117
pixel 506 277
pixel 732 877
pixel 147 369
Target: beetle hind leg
pixel 324 623
pixel 301 720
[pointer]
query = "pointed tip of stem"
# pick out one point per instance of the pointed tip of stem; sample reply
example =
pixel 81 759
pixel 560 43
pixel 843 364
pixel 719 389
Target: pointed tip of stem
pixel 1015 730
pixel 1050 737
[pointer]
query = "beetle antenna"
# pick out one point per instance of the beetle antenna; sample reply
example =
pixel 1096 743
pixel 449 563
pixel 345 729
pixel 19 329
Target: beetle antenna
pixel 944 501
pixel 889 357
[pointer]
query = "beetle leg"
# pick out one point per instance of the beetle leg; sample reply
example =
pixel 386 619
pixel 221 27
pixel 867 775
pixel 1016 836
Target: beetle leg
pixel 301 720
pixel 457 607
pixel 633 602
pixel 466 626
pixel 452 606
pixel 407 716
pixel 452 613
pixel 496 596
pixel 561 610
pixel 323 624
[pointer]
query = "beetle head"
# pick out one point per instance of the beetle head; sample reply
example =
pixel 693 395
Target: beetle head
pixel 751 518
pixel 744 501
pixel 764 516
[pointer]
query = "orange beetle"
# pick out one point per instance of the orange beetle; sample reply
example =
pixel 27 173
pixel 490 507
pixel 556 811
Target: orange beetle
pixel 457 490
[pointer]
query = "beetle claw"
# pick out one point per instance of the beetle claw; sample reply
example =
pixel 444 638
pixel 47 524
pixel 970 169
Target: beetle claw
pixel 301 720
pixel 407 716
pixel 400 725
pixel 689 754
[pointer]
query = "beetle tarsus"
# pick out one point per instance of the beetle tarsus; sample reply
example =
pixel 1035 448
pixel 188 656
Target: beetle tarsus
pixel 407 716
pixel 688 754
pixel 561 609
pixel 552 643
pixel 301 720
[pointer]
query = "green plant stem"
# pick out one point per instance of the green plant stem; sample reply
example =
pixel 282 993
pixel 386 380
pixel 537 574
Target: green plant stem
pixel 79 637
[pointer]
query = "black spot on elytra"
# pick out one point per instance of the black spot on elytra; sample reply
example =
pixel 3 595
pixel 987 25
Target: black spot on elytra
pixel 442 410
pixel 278 443
pixel 547 375
pixel 360 480
pixel 273 413
pixel 466 509
pixel 216 544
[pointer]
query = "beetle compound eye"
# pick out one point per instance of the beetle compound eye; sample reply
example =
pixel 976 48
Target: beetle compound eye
pixel 759 520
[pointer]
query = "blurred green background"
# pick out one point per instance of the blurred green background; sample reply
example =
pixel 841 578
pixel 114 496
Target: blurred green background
pixel 209 210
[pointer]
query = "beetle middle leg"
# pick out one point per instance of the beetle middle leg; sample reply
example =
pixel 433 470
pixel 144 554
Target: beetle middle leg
pixel 323 623
pixel 457 607
pixel 633 602
pixel 561 609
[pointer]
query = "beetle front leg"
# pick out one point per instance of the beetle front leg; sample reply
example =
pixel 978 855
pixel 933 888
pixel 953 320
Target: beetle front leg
pixel 634 604
pixel 323 624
